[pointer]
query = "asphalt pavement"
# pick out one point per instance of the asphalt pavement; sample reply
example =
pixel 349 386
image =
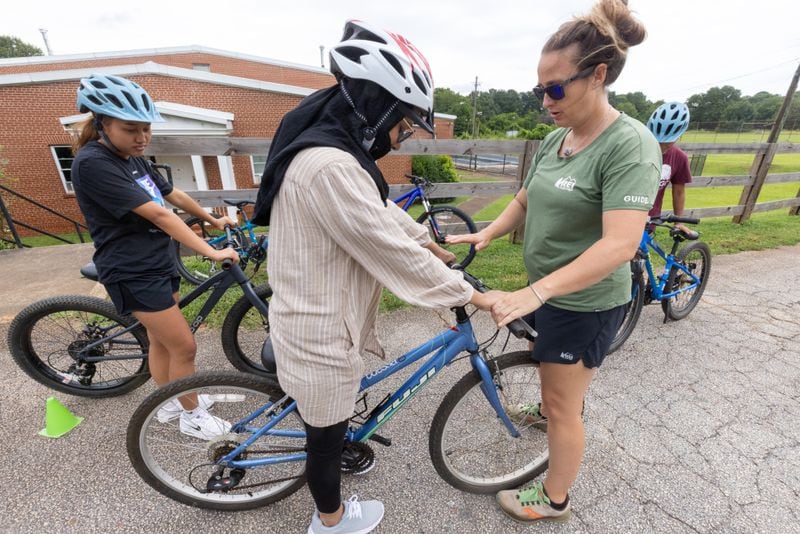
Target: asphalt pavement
pixel 693 426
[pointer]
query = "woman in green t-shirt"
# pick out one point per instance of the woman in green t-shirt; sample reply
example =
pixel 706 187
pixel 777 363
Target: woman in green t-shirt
pixel 584 205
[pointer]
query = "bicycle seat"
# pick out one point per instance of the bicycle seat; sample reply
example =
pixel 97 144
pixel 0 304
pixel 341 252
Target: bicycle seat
pixel 236 202
pixel 90 271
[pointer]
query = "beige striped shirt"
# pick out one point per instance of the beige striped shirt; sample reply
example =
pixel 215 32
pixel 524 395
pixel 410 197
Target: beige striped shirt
pixel 333 245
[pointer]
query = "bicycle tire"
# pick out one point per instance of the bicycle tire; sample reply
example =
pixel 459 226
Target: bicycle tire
pixel 179 466
pixel 44 339
pixel 497 461
pixel 453 221
pixel 682 304
pixel 632 312
pixel 193 266
pixel 244 332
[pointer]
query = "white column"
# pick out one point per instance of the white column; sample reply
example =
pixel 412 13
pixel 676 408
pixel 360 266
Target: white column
pixel 200 178
pixel 228 181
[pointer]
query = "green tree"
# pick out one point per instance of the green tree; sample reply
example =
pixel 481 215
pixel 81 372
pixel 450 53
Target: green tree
pixel 15 47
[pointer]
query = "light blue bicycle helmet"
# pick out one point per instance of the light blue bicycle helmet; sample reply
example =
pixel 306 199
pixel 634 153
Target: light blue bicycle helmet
pixel 116 97
pixel 669 121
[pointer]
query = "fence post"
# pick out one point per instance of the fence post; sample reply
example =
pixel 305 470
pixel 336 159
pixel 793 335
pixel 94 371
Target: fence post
pixel 10 222
pixel 750 193
pixel 525 160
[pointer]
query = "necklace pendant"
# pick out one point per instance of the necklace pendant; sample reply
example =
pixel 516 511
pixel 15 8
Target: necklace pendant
pixel 567 152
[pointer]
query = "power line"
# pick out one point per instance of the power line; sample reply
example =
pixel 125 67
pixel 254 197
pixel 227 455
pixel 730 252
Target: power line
pixel 794 60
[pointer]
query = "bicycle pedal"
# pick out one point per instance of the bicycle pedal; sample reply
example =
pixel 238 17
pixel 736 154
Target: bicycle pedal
pixel 386 442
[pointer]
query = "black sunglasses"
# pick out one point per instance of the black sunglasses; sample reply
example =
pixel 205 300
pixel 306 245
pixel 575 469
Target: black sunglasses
pixel 406 131
pixel 556 90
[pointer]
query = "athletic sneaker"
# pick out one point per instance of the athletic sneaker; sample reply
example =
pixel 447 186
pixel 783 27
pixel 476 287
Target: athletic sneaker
pixel 200 424
pixel 528 415
pixel 530 503
pixel 359 517
pixel 173 408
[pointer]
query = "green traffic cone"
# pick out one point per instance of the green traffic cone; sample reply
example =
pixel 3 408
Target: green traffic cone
pixel 58 419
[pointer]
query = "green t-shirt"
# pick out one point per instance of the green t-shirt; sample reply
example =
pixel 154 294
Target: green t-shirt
pixel 619 170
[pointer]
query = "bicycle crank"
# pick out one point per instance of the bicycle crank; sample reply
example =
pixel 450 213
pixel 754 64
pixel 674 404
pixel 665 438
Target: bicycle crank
pixel 357 458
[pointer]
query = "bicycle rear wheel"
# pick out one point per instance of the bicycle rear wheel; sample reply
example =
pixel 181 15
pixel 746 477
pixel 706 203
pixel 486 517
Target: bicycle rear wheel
pixel 632 311
pixel 470 446
pixel 181 466
pixel 244 332
pixel 193 266
pixel 47 340
pixel 696 258
pixel 442 221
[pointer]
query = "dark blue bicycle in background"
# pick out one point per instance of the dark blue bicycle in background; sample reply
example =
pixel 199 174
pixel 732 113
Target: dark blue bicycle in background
pixel 679 285
pixel 480 439
pixel 440 220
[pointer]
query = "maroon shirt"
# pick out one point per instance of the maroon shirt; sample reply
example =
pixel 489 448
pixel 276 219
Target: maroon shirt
pixel 674 170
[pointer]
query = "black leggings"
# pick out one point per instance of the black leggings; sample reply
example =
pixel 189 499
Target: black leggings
pixel 324 465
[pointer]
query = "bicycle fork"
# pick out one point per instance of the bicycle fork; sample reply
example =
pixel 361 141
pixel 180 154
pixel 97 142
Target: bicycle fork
pixel 489 388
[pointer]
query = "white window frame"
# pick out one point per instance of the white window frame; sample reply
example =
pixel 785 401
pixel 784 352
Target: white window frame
pixel 64 182
pixel 256 174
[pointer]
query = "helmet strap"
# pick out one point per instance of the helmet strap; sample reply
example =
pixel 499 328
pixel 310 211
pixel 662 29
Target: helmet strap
pixel 98 125
pixel 369 132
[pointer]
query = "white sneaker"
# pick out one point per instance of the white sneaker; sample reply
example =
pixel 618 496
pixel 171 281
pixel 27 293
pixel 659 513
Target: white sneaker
pixel 200 424
pixel 173 408
pixel 359 518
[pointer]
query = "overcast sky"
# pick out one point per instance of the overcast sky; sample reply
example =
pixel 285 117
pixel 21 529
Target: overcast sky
pixel 692 45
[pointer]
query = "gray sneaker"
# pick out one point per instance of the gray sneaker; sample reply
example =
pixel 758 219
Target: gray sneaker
pixel 528 415
pixel 359 517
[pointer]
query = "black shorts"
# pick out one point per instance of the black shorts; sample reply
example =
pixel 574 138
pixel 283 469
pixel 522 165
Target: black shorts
pixel 568 336
pixel 146 295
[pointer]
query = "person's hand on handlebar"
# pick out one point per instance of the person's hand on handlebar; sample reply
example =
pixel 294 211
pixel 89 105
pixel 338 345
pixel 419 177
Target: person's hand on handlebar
pixel 479 239
pixel 224 254
pixel 220 223
pixel 515 305
pixel 485 301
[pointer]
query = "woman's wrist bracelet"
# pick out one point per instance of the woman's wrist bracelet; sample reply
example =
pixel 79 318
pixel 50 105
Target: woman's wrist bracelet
pixel 536 293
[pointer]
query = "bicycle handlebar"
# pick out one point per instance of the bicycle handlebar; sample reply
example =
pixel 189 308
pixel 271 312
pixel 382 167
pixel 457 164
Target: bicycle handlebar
pixel 229 243
pixel 518 327
pixel 674 219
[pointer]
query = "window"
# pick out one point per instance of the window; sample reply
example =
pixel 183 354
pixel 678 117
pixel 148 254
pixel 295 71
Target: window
pixel 63 158
pixel 206 67
pixel 258 167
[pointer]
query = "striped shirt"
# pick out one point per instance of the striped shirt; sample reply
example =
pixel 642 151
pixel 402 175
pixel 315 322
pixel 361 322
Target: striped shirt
pixel 333 246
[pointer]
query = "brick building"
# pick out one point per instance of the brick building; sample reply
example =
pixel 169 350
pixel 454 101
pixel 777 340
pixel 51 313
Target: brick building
pixel 199 91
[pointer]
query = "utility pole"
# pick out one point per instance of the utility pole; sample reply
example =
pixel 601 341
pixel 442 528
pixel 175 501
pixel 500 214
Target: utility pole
pixel 46 43
pixel 475 117
pixel 322 56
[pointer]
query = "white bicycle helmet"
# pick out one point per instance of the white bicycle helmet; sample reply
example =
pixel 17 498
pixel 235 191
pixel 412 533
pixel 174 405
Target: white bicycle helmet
pixel 392 62
pixel 669 121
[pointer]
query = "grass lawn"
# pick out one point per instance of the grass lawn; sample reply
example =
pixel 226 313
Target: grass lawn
pixel 753 136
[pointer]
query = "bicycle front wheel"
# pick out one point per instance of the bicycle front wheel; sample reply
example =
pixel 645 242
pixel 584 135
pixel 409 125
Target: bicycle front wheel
pixel 696 258
pixel 244 332
pixel 48 340
pixel 471 448
pixel 191 470
pixel 442 221
pixel 193 266
pixel 632 312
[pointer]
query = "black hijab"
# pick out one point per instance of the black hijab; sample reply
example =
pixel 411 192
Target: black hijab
pixel 354 116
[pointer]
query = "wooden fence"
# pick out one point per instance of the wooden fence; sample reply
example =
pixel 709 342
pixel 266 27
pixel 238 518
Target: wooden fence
pixel 759 171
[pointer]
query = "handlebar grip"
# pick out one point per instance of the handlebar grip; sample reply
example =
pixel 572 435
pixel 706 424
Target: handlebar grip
pixel 227 263
pixel 677 219
pixel 521 329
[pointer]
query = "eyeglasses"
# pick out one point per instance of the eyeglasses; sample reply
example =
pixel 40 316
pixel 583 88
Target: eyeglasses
pixel 556 90
pixel 406 131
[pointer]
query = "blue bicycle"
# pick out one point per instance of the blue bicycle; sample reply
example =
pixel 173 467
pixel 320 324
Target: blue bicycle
pixel 678 287
pixel 480 440
pixel 196 268
pixel 440 220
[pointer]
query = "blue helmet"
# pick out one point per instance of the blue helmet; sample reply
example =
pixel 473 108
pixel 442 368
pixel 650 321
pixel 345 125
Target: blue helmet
pixel 669 121
pixel 116 97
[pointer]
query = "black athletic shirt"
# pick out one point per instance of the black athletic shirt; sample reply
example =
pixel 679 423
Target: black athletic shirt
pixel 108 188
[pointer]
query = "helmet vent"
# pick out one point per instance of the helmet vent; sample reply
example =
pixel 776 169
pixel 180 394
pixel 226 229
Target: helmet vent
pixel 394 63
pixel 114 100
pixel 367 35
pixel 95 100
pixel 352 53
pixel 98 84
pixel 419 82
pixel 130 99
